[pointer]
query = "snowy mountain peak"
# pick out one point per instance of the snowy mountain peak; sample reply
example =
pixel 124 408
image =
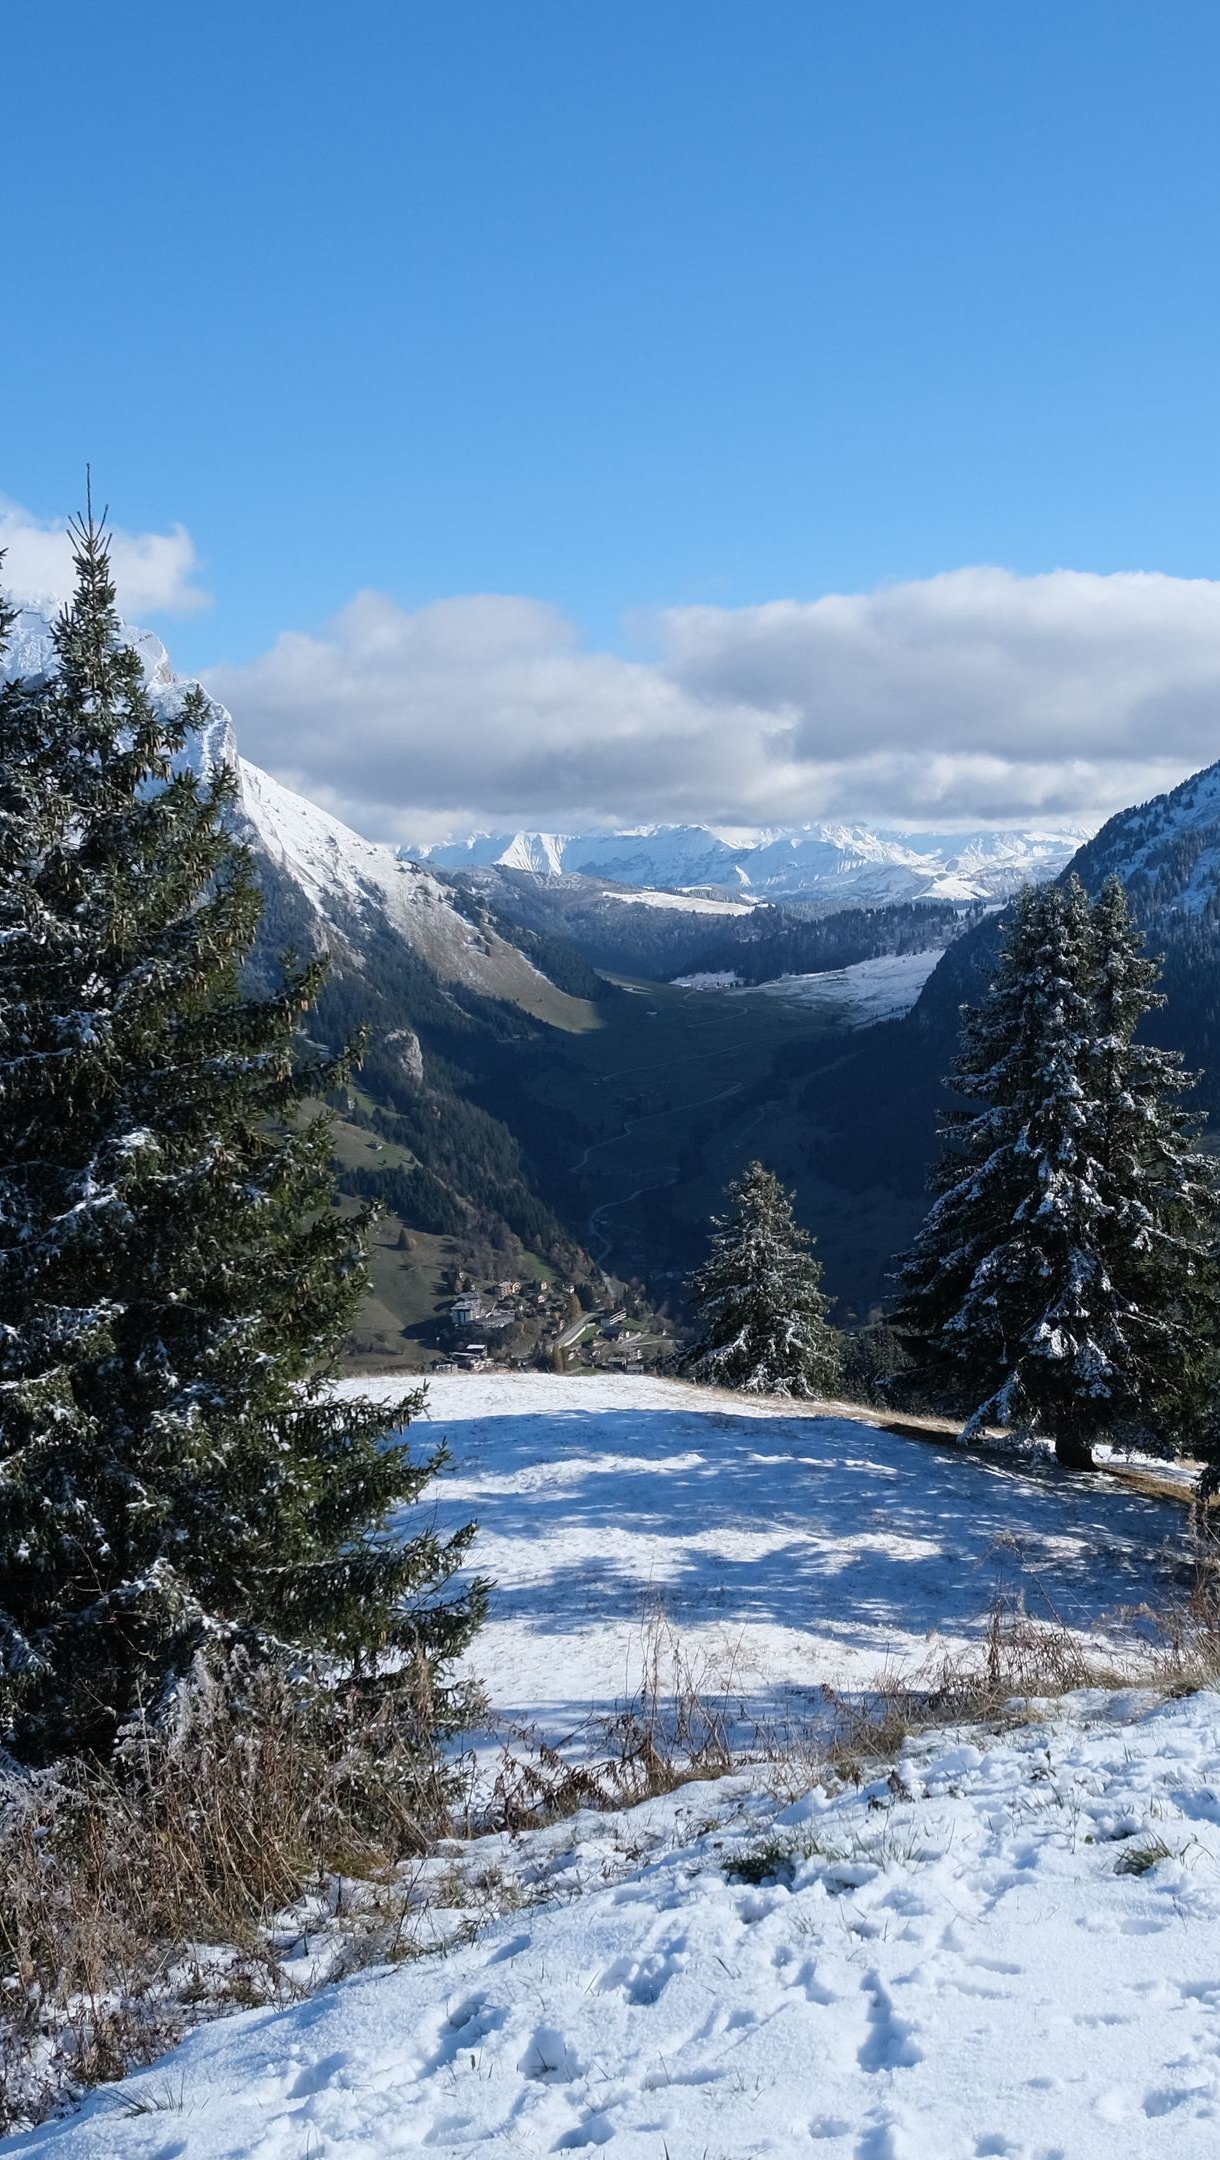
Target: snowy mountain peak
pixel 845 865
pixel 30 651
pixel 344 878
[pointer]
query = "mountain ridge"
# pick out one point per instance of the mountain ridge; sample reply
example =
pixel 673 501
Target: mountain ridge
pixel 440 993
pixel 340 874
pixel 832 863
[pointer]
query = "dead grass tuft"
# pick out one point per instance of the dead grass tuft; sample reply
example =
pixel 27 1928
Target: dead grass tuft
pixel 138 1898
pixel 677 1727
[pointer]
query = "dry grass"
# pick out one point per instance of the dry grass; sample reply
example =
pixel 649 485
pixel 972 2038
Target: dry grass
pixel 678 1726
pixel 1023 1661
pixel 689 1722
pixel 137 1899
pixel 1020 1660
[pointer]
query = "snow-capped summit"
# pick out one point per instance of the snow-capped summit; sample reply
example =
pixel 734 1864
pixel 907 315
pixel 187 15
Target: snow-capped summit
pixel 30 650
pixel 835 864
pixel 541 852
pixel 347 881
pixel 666 858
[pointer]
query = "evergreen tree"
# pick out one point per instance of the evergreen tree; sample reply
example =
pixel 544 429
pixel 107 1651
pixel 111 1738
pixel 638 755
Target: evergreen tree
pixel 176 1475
pixel 760 1313
pixel 1063 1274
pixel 1160 1240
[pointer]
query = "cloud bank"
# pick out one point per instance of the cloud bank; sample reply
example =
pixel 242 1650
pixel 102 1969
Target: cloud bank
pixel 975 697
pixel 154 573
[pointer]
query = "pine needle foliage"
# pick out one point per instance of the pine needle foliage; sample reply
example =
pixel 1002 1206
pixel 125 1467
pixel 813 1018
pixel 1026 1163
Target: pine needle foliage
pixel 1064 1280
pixel 177 1478
pixel 760 1314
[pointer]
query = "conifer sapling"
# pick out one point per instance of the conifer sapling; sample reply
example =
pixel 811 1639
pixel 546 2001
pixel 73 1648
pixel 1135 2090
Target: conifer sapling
pixel 760 1315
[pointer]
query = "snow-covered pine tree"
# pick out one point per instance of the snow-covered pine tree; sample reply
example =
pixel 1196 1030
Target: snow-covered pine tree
pixel 760 1314
pixel 1055 1283
pixel 1161 1236
pixel 175 1283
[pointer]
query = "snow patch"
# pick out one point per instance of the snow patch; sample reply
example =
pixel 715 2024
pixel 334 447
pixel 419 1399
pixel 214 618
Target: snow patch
pixel 681 903
pixel 868 991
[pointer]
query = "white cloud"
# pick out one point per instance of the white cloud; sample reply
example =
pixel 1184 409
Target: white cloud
pixel 974 697
pixel 154 573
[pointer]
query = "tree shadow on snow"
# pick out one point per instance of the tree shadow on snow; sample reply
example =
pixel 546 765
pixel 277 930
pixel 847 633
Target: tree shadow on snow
pixel 814 1524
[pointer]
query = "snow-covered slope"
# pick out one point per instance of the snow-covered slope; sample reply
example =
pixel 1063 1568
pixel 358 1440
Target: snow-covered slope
pixel 346 880
pixel 840 865
pixel 871 990
pixel 1010 1946
pixel 1167 852
pixel 678 903
pixel 344 876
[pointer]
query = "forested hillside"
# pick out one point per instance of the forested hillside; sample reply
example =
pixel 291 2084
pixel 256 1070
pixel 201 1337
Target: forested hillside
pixel 627 936
pixel 872 1103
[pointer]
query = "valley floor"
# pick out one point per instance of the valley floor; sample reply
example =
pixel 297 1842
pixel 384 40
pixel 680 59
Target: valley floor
pixel 1009 1946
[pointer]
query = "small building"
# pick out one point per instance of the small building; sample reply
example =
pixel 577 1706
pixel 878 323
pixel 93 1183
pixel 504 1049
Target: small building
pixel 473 1358
pixel 467 1307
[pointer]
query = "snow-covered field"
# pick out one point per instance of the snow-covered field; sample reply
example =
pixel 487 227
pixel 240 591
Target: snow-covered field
pixel 794 1550
pixel 870 990
pixel 881 989
pixel 1011 1946
pixel 682 903
pixel 966 1962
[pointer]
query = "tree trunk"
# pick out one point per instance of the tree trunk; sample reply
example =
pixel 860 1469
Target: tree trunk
pixel 1073 1453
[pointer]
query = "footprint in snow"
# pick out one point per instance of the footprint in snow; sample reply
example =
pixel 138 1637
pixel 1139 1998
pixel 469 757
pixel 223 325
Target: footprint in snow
pixel 510 1949
pixel 316 2075
pixel 890 2043
pixel 1170 2098
pixel 813 1989
pixel 463 2031
pixel 890 2141
pixel 549 2058
pixel 642 1981
pixel 447 2128
pixel 595 2130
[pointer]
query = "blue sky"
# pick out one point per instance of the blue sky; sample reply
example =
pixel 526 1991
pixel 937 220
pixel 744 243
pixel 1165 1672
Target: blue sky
pixel 625 308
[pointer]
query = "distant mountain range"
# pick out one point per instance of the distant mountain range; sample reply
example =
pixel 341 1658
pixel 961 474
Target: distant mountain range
pixel 834 865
